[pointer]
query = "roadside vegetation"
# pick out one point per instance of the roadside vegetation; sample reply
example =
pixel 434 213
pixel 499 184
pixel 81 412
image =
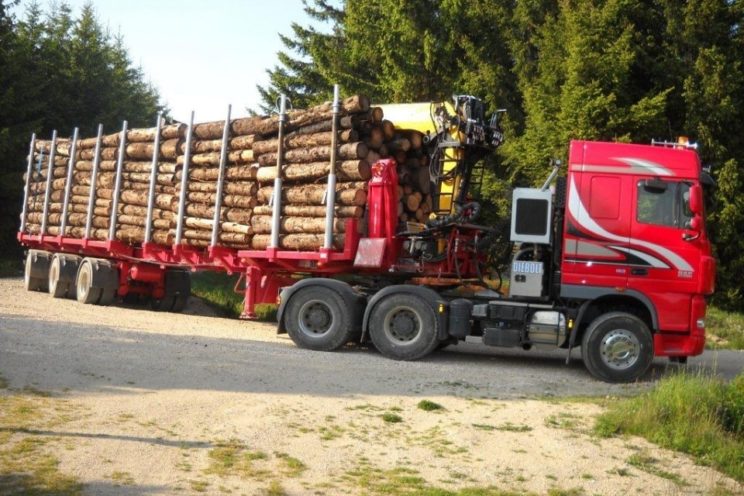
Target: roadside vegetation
pixel 693 413
pixel 217 289
pixel 725 329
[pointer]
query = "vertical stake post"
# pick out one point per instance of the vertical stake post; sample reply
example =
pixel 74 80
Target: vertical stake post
pixel 117 181
pixel 68 181
pixel 221 180
pixel 276 194
pixel 184 180
pixel 27 186
pixel 93 180
pixel 153 179
pixel 48 190
pixel 331 191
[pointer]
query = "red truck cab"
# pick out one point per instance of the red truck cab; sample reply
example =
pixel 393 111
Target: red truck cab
pixel 634 230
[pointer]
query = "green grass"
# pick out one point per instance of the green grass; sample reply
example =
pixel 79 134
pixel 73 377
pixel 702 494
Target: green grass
pixel 392 418
pixel 695 414
pixel 429 406
pixel 217 290
pixel 727 327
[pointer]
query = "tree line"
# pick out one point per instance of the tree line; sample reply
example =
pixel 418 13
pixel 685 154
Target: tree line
pixel 58 71
pixel 621 70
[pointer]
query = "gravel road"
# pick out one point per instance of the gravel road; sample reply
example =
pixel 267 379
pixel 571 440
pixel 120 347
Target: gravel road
pixel 46 341
pixel 155 392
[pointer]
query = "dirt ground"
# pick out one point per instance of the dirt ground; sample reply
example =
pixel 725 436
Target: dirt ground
pixel 128 401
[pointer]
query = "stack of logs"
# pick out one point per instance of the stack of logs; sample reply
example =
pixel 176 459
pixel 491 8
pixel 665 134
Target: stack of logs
pixel 251 157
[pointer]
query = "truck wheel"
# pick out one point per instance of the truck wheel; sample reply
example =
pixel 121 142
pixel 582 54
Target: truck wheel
pixel 86 292
pixel 318 318
pixel 403 327
pixel 177 292
pixel 35 274
pixel 617 347
pixel 97 281
pixel 62 274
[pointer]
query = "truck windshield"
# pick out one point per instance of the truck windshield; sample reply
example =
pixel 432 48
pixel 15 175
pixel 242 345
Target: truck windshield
pixel 667 206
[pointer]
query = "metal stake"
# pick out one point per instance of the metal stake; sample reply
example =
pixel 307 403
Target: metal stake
pixel 117 181
pixel 48 190
pixel 68 182
pixel 276 194
pixel 331 191
pixel 153 179
pixel 27 187
pixel 93 179
pixel 184 179
pixel 221 179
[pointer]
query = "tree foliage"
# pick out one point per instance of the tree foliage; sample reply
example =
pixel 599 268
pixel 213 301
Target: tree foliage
pixel 624 70
pixel 58 71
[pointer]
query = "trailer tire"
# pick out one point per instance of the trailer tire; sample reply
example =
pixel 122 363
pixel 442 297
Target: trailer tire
pixel 62 275
pixel 404 327
pixel 86 293
pixel 177 291
pixel 35 273
pixel 97 282
pixel 617 347
pixel 319 318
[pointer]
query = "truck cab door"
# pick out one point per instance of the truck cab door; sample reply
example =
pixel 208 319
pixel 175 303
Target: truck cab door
pixel 666 255
pixel 597 231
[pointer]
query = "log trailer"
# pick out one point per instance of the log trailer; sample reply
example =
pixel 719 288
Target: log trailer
pixel 611 257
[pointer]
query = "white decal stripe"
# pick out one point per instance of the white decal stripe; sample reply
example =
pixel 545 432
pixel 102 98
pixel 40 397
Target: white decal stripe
pixel 657 169
pixel 580 213
pixel 653 261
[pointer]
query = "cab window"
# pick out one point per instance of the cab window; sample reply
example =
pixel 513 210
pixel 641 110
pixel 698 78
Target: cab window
pixel 663 203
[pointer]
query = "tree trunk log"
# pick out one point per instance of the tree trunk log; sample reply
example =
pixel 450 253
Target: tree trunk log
pixel 347 151
pixel 261 224
pixel 304 141
pixel 310 211
pixel 169 150
pixel 349 170
pixel 303 242
pixel 312 194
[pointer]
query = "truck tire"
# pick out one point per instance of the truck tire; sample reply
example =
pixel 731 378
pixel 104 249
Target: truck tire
pixel 36 271
pixel 177 292
pixel 97 282
pixel 318 318
pixel 617 347
pixel 404 327
pixel 62 274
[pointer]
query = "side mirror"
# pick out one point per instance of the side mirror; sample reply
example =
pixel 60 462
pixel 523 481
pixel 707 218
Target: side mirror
pixel 696 200
pixel 694 227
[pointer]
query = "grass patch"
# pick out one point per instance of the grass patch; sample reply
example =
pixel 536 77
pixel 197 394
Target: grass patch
pixel 506 427
pixel 429 406
pixel 233 458
pixel 647 463
pixel 122 478
pixel 725 329
pixel 293 466
pixel 217 290
pixel 695 414
pixel 392 418
pixel 26 464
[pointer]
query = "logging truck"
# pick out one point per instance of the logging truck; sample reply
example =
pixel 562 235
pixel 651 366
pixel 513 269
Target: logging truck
pixel 610 254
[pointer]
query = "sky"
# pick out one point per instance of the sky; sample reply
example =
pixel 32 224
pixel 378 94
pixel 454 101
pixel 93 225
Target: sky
pixel 202 55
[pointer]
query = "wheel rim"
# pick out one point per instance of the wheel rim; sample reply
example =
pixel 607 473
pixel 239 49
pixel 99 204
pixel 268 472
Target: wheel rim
pixel 402 325
pixel 620 349
pixel 315 318
pixel 84 283
pixel 53 274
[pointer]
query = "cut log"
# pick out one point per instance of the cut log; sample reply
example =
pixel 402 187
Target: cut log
pixel 106 153
pixel 169 131
pixel 227 227
pixel 304 141
pixel 347 151
pixel 301 242
pixel 169 202
pixel 377 114
pixel 354 121
pixel 233 172
pixel 349 170
pixel 261 224
pixel 237 215
pixel 388 130
pixel 310 211
pixel 213 158
pixel 233 188
pixel 413 201
pixel 312 194
pixel 169 150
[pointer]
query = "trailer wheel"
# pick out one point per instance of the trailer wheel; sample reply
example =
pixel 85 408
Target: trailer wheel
pixel 35 274
pixel 318 318
pixel 617 347
pixel 97 282
pixel 62 274
pixel 177 292
pixel 403 327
